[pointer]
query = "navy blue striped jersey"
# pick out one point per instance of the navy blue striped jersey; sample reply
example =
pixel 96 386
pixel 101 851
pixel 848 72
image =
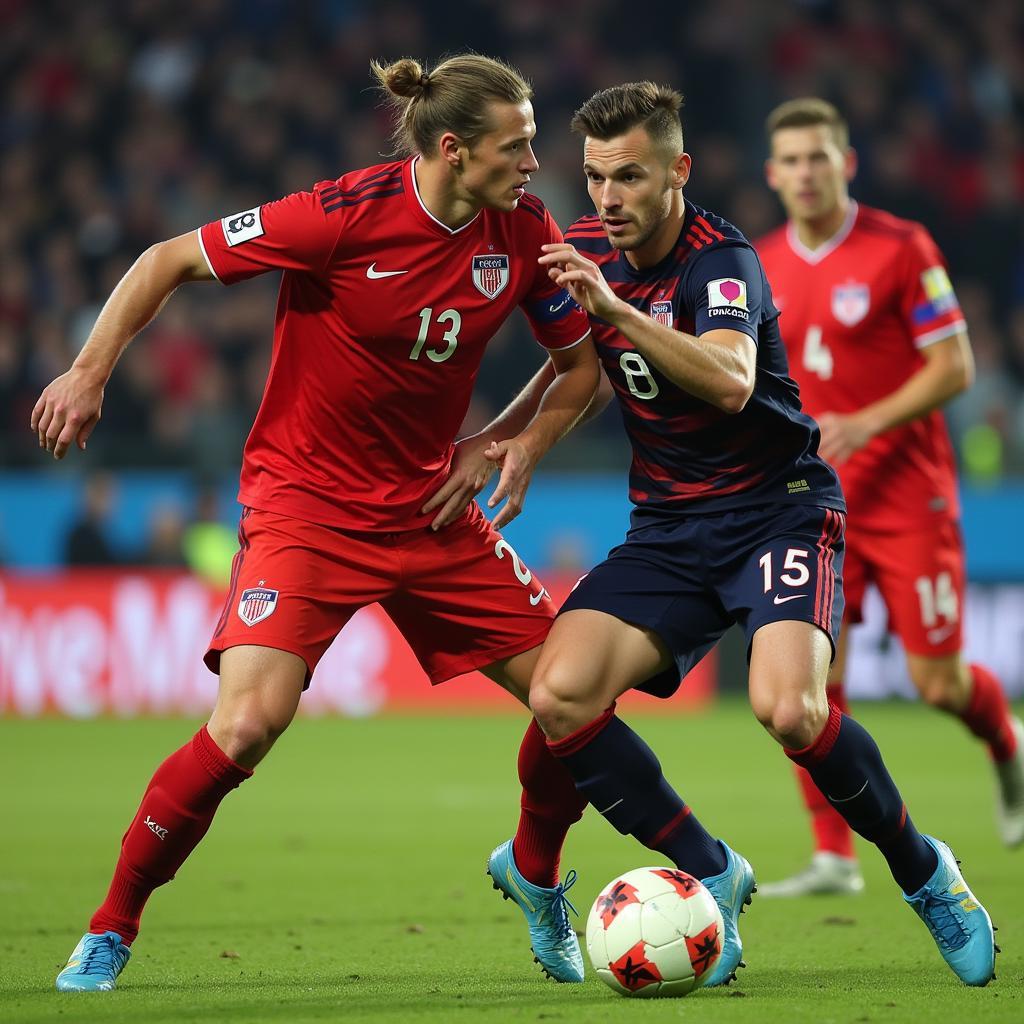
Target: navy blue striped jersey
pixel 688 455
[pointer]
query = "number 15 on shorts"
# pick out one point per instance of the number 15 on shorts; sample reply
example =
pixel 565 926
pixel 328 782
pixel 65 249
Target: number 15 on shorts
pixel 792 573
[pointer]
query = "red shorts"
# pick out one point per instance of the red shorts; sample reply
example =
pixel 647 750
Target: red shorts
pixel 461 597
pixel 921 578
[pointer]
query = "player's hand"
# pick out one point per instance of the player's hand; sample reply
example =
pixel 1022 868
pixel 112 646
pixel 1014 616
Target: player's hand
pixel 516 470
pixel 67 411
pixel 470 471
pixel 582 277
pixel 842 435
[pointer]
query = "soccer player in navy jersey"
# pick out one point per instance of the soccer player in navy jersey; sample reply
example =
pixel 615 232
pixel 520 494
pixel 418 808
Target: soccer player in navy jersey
pixel 394 279
pixel 737 520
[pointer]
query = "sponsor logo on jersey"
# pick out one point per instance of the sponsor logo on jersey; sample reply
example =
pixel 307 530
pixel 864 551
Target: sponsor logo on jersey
pixel 728 291
pixel 939 289
pixel 375 275
pixel 554 308
pixel 241 227
pixel 797 486
pixel 661 312
pixel 490 274
pixel 850 302
pixel 256 604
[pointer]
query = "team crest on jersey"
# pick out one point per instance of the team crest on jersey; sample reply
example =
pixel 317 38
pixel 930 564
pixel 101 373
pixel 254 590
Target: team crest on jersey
pixel 661 312
pixel 850 302
pixel 256 604
pixel 490 274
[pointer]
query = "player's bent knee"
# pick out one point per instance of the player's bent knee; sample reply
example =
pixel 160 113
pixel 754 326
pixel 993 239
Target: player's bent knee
pixel 796 721
pixel 560 707
pixel 245 737
pixel 940 690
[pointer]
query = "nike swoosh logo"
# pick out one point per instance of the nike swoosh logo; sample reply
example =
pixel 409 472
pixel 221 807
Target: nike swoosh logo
pixel 783 600
pixel 555 309
pixel 535 599
pixel 374 274
pixel 936 636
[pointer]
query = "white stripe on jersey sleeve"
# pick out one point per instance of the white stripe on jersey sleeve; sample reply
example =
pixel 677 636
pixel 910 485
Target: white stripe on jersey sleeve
pixel 202 249
pixel 940 334
pixel 565 348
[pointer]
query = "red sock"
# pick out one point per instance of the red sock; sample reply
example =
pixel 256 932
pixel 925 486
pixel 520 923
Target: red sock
pixel 175 812
pixel 987 714
pixel 550 805
pixel 831 833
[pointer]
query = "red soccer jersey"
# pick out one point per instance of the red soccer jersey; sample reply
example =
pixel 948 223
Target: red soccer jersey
pixel 855 314
pixel 382 320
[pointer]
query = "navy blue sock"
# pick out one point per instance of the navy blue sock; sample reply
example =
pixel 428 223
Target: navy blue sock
pixel 621 776
pixel 846 765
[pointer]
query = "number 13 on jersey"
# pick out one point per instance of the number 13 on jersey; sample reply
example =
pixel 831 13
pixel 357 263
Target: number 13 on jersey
pixel 449 324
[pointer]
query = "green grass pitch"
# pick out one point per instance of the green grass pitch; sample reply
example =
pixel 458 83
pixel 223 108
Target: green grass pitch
pixel 346 880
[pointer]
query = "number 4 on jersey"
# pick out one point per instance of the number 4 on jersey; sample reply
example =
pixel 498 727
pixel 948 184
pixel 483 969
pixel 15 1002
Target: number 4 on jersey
pixel 817 357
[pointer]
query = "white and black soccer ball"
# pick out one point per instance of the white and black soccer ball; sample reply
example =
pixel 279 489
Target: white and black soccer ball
pixel 654 932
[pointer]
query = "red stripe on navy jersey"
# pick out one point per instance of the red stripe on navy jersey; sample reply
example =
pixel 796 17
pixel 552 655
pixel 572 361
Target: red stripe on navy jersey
pixel 716 235
pixel 698 234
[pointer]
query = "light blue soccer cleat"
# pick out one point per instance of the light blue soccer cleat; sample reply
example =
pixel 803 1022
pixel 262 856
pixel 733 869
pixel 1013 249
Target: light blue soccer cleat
pixel 959 924
pixel 552 939
pixel 94 964
pixel 732 889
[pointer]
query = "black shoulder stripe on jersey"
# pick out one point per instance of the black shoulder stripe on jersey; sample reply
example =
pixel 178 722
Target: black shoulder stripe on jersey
pixel 536 208
pixel 379 180
pixel 383 194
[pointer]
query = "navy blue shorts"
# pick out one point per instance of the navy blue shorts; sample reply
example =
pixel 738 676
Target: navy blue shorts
pixel 689 578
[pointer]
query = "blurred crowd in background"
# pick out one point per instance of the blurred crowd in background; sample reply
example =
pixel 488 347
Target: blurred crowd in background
pixel 125 122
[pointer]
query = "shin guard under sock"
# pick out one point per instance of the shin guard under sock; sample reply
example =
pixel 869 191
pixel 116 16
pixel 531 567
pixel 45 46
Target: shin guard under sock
pixel 987 714
pixel 549 806
pixel 847 767
pixel 621 776
pixel 176 811
pixel 831 833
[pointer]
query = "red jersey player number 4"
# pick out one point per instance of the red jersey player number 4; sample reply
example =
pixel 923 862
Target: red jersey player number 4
pixel 383 318
pixel 856 313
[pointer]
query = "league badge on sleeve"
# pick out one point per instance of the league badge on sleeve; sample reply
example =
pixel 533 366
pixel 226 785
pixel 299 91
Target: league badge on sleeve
pixel 728 297
pixel 661 312
pixel 727 291
pixel 850 302
pixel 490 274
pixel 241 227
pixel 256 604
pixel 939 289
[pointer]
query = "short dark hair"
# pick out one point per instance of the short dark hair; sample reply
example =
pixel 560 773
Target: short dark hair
pixel 614 111
pixel 808 112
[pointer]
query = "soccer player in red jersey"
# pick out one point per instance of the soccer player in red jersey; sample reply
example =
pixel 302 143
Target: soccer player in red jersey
pixel 736 519
pixel 394 279
pixel 878 344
